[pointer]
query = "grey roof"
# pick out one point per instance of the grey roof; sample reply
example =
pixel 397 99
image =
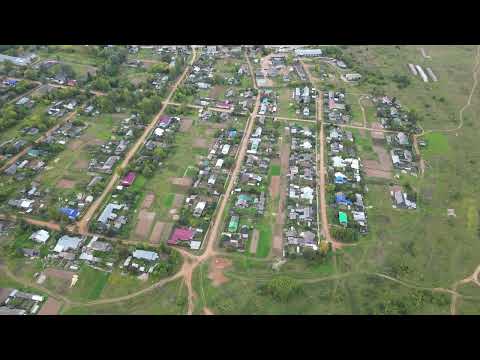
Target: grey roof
pixel 67 242
pixel 143 254
pixel 107 212
pixel 8 311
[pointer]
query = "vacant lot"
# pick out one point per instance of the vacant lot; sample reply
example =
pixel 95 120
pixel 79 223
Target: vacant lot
pixel 217 266
pixel 157 232
pixel 186 125
pixel 66 184
pixel 254 241
pixel 144 224
pixel 51 307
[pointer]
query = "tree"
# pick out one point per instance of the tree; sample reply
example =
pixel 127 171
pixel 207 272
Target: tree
pixel 7 66
pixel 282 288
pixel 324 247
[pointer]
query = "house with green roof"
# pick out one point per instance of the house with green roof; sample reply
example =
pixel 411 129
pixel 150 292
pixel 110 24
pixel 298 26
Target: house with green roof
pixel 233 224
pixel 342 217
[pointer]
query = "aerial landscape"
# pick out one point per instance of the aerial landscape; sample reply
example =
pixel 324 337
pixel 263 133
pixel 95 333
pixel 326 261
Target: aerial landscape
pixel 239 180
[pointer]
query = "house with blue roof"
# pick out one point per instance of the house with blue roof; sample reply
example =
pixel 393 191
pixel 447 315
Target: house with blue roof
pixel 72 214
pixel 341 199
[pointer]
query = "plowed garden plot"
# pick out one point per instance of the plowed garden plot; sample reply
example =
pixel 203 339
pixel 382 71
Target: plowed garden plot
pixel 75 144
pixel 178 201
pixel 81 164
pixel 186 125
pixel 200 143
pixel 145 221
pixel 381 168
pixel 218 265
pixel 157 232
pixel 51 307
pixel 148 201
pixel 254 242
pixel 182 181
pixel 59 274
pixel 66 184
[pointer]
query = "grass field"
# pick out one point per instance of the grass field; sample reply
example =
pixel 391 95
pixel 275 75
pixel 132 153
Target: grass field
pixel 171 299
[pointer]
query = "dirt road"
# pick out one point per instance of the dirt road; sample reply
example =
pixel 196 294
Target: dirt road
pixel 82 225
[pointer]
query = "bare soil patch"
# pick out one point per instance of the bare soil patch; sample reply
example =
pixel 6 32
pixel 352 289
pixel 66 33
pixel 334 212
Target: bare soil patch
pixel 382 168
pixel 145 221
pixel 182 181
pixel 51 307
pixel 274 186
pixel 377 135
pixel 254 242
pixel 148 200
pixel 200 143
pixel 81 164
pixel 59 274
pixel 66 184
pixel 216 91
pixel 377 126
pixel 178 201
pixel 75 144
pixel 277 245
pixel 186 125
pixel 157 232
pixel 218 265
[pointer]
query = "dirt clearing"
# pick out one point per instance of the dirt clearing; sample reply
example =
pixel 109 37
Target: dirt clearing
pixel 75 144
pixel 254 242
pixel 66 184
pixel 145 221
pixel 51 307
pixel 81 164
pixel 148 200
pixel 383 167
pixel 182 181
pixel 59 274
pixel 178 201
pixel 274 186
pixel 216 91
pixel 157 232
pixel 218 265
pixel 186 125
pixel 200 143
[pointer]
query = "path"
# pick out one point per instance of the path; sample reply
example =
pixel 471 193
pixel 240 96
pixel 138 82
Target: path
pixel 82 225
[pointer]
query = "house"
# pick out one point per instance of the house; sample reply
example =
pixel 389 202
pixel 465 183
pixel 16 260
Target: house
pixel 308 52
pixel 402 139
pixel 202 85
pixel 165 121
pixel 225 149
pixel 342 218
pixel 108 213
pixel 197 212
pixel 40 236
pixel 353 77
pixel 97 245
pixel 233 224
pixel 72 214
pixel 341 199
pixel 19 61
pixel 66 243
pixel 128 179
pixel 181 234
pixel 145 255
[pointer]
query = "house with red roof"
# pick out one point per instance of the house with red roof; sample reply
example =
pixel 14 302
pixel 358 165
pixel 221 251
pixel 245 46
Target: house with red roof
pixel 165 121
pixel 129 179
pixel 180 234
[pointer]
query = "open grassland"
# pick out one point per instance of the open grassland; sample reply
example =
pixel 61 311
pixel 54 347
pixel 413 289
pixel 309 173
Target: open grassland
pixel 171 299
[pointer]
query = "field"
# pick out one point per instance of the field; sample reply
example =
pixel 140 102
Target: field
pixel 171 299
pixel 405 264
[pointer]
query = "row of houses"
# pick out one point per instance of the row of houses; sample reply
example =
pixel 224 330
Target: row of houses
pixel 208 184
pixel 15 302
pixel 249 200
pixel 345 174
pixel 335 109
pixel 301 223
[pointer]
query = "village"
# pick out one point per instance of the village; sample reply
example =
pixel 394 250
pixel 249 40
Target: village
pixel 177 154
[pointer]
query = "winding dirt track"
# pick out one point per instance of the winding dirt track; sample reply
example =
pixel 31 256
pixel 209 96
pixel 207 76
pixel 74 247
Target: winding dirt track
pixel 192 261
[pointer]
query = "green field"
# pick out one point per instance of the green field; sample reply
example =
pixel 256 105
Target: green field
pixel 171 299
